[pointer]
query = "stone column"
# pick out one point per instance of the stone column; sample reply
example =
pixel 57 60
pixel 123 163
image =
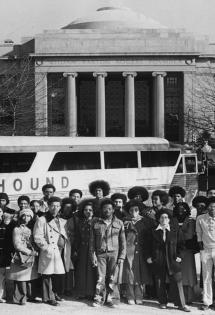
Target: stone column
pixel 71 105
pixel 158 106
pixel 41 104
pixel 129 104
pixel 100 103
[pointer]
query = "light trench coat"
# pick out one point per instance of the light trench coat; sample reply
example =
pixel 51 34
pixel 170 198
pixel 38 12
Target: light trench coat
pixel 46 237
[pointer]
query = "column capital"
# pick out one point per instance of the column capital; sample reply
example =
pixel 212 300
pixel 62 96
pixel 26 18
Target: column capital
pixel 157 73
pixel 131 73
pixel 102 74
pixel 72 74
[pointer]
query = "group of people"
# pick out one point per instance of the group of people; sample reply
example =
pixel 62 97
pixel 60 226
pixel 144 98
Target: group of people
pixel 108 248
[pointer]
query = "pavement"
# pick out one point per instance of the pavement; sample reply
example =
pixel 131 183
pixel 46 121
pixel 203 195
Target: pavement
pixel 71 307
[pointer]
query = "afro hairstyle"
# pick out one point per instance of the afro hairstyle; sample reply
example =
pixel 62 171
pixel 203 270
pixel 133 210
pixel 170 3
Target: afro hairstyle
pixel 83 204
pixel 48 186
pixel 138 190
pixel 177 190
pixel 23 197
pixel 75 191
pixel 209 201
pixel 5 197
pixel 134 203
pixel 119 196
pixel 161 212
pixel 164 198
pixel 99 184
pixel 199 199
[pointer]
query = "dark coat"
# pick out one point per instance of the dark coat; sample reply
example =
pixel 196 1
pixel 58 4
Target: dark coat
pixel 85 274
pixel 164 254
pixel 135 268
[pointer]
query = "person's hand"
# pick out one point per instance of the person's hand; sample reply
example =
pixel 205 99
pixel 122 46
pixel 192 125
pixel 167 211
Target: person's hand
pixel 95 264
pixel 149 260
pixel 178 259
pixel 120 261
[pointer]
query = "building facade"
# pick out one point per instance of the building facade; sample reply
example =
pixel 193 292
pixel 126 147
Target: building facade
pixel 115 73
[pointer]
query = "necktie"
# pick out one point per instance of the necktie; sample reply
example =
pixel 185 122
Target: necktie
pixel 164 234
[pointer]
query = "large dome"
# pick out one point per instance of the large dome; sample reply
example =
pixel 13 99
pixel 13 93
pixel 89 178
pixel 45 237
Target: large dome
pixel 114 18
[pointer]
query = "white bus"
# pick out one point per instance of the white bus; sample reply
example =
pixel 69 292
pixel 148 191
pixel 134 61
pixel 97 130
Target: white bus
pixel 27 163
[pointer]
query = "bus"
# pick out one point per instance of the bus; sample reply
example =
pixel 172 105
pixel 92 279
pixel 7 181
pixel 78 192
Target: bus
pixel 27 163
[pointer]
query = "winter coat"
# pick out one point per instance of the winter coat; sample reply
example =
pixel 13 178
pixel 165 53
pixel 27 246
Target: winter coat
pixel 135 268
pixel 23 242
pixel 46 236
pixel 164 254
pixel 85 273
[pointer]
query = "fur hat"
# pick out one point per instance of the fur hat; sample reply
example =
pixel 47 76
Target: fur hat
pixel 26 212
pixel 99 184
pixel 119 196
pixel 177 190
pixel 138 190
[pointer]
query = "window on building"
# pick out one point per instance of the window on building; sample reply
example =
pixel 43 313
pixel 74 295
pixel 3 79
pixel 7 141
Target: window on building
pixel 120 160
pixel 159 158
pixel 172 81
pixel 190 164
pixel 16 162
pixel 75 161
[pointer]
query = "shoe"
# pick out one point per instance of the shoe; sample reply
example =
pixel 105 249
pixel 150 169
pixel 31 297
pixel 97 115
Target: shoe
pixel 110 304
pixel 58 298
pixel 139 302
pixel 184 309
pixel 204 307
pixel 2 301
pixel 96 304
pixel 131 302
pixel 52 303
pixel 163 306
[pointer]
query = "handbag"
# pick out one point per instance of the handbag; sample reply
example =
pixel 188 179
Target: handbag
pixel 22 260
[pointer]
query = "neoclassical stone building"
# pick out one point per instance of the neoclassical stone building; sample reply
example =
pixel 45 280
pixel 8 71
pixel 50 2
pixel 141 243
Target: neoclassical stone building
pixel 115 73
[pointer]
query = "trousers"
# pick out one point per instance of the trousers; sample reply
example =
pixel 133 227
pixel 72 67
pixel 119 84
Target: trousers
pixel 208 261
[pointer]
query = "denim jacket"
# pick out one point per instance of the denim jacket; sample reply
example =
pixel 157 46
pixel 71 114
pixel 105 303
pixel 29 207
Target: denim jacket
pixel 108 239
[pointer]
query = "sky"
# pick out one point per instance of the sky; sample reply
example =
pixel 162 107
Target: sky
pixel 21 18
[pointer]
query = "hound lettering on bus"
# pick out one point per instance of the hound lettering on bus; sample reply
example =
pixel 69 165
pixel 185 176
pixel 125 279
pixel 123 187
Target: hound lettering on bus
pixel 34 184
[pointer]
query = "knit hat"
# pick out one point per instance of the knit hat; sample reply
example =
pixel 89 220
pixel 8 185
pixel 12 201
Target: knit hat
pixel 26 212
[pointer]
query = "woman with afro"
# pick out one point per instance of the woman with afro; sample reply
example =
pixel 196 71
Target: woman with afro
pixel 99 189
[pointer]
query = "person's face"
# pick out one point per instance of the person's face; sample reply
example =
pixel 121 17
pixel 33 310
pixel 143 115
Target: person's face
pixel 7 218
pixel 67 210
pixel 177 198
pixel 99 193
pixel 211 209
pixel 54 208
pixel 211 193
pixel 76 196
pixel 26 218
pixel 164 219
pixel 134 212
pixel 118 203
pixel 156 202
pixel 23 204
pixel 36 207
pixel 88 212
pixel 3 203
pixel 138 198
pixel 107 211
pixel 201 208
pixel 48 193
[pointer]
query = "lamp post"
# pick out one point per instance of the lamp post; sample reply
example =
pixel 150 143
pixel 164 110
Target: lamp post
pixel 206 149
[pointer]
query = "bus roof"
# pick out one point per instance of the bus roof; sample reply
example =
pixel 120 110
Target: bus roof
pixel 15 144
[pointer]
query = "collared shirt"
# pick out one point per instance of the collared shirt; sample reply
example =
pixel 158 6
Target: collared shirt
pixel 163 228
pixel 205 229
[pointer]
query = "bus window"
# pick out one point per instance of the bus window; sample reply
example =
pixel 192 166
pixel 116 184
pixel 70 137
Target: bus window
pixel 159 158
pixel 120 159
pixel 180 167
pixel 75 161
pixel 16 162
pixel 190 163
